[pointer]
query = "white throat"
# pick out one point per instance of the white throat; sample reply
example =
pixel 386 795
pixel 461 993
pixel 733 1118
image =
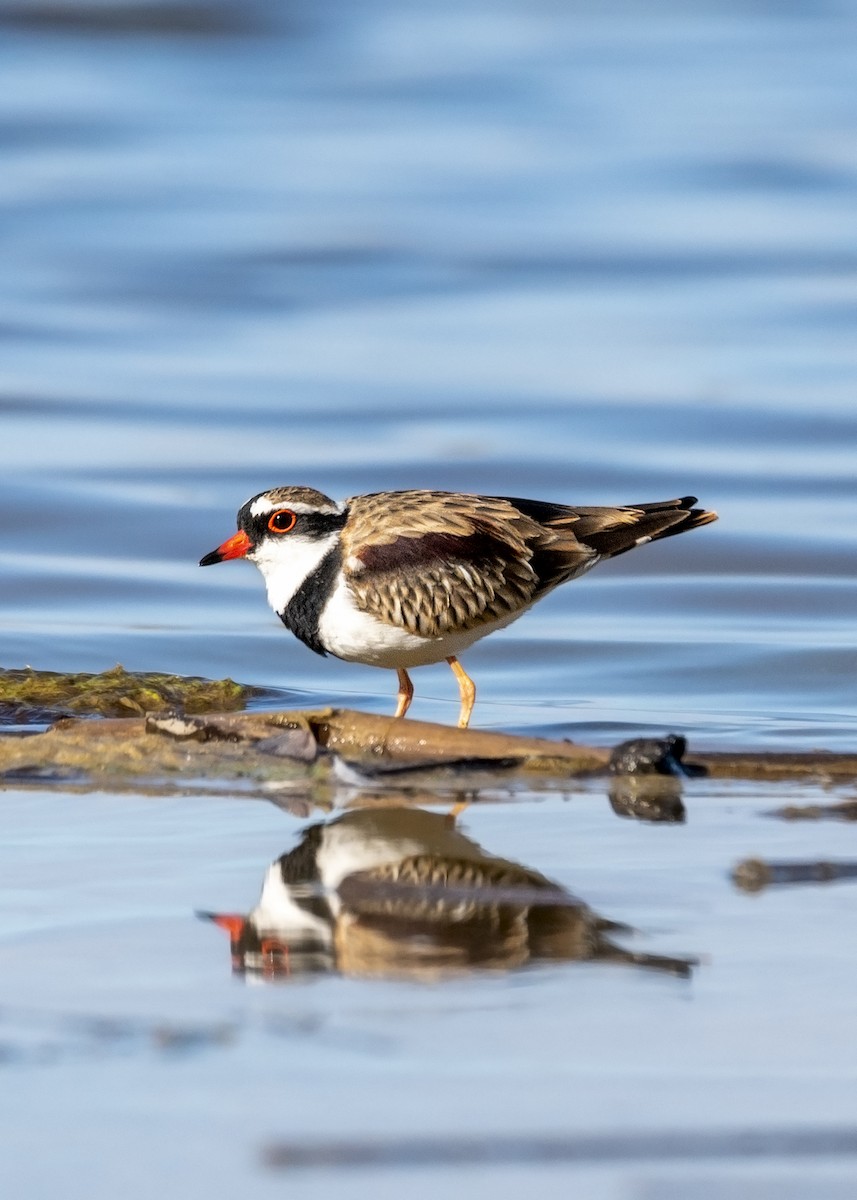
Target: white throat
pixel 286 564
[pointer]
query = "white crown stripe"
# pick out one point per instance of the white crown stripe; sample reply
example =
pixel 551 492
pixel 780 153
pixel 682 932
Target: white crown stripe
pixel 264 505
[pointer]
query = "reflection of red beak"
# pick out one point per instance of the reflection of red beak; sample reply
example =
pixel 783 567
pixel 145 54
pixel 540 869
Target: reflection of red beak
pixel 233 923
pixel 235 547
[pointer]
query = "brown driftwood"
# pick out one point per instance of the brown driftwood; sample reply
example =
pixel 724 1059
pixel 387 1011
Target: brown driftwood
pixel 382 742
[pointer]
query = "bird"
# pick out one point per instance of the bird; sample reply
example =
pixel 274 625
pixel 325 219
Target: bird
pixel 403 579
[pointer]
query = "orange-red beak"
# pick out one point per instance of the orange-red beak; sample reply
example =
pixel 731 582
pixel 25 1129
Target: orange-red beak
pixel 235 547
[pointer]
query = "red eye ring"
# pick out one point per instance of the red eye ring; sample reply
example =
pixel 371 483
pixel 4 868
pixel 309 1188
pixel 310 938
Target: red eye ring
pixel 282 520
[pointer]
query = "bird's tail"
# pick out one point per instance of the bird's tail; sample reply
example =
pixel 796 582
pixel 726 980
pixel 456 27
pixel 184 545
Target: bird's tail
pixel 612 531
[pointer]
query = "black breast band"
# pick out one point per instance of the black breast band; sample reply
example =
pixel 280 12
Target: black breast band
pixel 303 612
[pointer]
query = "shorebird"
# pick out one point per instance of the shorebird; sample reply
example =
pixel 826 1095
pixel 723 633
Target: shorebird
pixel 405 579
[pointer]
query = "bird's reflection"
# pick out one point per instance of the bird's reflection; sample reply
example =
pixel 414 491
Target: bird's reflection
pixel 403 893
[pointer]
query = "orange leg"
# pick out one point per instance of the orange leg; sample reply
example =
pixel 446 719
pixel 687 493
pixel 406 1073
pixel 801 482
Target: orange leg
pixel 456 810
pixel 467 689
pixel 406 693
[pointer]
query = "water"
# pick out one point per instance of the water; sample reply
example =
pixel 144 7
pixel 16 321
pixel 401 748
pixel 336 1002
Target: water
pixel 596 256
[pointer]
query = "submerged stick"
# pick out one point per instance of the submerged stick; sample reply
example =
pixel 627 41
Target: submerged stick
pixel 754 874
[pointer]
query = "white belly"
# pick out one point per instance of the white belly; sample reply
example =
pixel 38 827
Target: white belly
pixel 359 637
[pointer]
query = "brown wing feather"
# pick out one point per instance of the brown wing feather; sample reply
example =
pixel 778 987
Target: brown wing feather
pixel 432 562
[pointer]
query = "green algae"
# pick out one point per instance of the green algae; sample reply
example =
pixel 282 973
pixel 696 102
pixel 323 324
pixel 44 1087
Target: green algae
pixel 34 697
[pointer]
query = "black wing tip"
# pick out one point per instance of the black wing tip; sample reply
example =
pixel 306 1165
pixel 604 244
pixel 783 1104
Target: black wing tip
pixel 700 516
pixel 703 516
pixel 690 518
pixel 693 518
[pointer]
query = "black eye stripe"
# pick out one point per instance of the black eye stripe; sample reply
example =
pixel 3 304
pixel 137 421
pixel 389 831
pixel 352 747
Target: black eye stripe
pixel 320 524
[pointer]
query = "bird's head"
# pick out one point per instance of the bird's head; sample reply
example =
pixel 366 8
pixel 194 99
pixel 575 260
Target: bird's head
pixel 286 532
